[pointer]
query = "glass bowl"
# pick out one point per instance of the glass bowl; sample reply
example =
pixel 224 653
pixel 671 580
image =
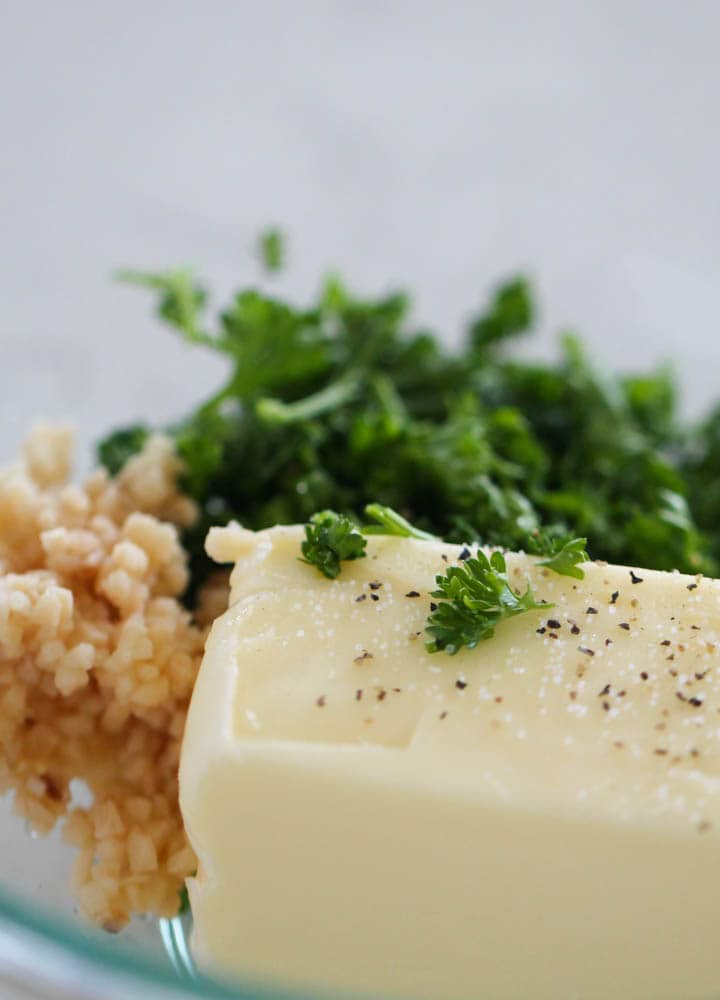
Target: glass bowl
pixel 48 951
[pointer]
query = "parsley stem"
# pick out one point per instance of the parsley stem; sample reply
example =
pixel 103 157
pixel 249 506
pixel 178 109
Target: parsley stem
pixel 392 523
pixel 276 412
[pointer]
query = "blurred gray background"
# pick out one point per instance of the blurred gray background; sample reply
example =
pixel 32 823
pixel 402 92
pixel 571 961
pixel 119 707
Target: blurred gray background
pixel 441 145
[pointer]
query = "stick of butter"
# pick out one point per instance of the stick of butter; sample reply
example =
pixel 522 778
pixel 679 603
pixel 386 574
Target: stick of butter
pixel 535 818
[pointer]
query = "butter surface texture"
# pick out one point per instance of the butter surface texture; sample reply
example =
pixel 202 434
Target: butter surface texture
pixel 538 817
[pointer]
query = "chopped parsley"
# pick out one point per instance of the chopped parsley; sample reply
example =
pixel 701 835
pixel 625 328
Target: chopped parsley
pixel 344 401
pixel 565 560
pixel 330 539
pixel 472 599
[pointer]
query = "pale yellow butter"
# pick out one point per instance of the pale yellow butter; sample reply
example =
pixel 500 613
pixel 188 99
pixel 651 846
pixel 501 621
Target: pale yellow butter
pixel 537 818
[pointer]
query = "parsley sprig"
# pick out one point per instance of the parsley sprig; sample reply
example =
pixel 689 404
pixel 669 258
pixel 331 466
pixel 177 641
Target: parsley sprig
pixel 565 560
pixel 330 539
pixel 472 599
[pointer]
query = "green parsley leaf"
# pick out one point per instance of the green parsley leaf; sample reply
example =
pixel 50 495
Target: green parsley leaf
pixel 121 445
pixel 181 300
pixel 473 598
pixel 330 539
pixel 565 560
pixel 389 522
pixel 510 313
pixel 271 248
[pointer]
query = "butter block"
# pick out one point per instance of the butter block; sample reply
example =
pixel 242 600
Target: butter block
pixel 537 818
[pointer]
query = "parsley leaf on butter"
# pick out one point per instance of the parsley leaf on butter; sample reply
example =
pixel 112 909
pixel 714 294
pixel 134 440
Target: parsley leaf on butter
pixel 330 539
pixel 472 599
pixel 565 560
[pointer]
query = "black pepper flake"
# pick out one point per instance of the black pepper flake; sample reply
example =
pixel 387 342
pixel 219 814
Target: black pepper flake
pixel 358 694
pixel 586 651
pixel 614 596
pixel 541 631
pixel 552 635
pixel 605 690
pixel 608 642
pixel 444 557
pixel 433 606
pixel 374 597
pixel 606 706
pixel 644 675
pixel 680 696
pixel 666 642
pixel 465 553
pixel 634 578
pixel 591 611
pixel 695 628
pixel 461 684
pixel 382 694
pixel 671 657
pixel 321 701
pixel 694 752
pixel 660 751
pixel 397 690
pixel 363 656
pixel 443 715
pixel 412 593
pixel 575 630
pixel 553 623
pixel 621 694
pixel 360 597
pixel 692 586
pixel 701 676
pixel 624 625
pixel 374 585
pixel 695 702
